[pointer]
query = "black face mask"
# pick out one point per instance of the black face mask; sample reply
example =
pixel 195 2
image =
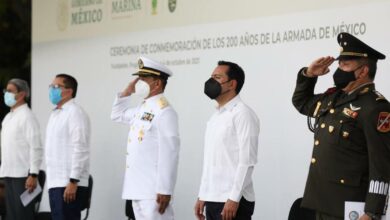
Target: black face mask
pixel 342 78
pixel 212 88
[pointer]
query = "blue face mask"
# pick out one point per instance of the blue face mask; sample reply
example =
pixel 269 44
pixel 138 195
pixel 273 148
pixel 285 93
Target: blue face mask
pixel 55 95
pixel 9 99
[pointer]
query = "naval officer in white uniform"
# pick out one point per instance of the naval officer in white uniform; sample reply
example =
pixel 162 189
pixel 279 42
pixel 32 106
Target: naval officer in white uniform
pixel 153 142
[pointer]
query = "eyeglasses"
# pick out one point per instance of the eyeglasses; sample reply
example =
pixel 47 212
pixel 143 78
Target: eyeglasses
pixel 56 86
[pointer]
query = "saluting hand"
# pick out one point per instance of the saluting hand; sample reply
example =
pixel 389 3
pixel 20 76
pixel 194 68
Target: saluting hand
pixel 163 201
pixel 130 89
pixel 229 210
pixel 199 210
pixel 365 217
pixel 319 67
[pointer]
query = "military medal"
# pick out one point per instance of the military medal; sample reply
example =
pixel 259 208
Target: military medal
pixel 345 134
pixel 147 116
pixel 141 135
pixel 349 113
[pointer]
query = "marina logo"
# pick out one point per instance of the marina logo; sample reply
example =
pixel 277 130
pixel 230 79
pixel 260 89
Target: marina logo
pixel 125 8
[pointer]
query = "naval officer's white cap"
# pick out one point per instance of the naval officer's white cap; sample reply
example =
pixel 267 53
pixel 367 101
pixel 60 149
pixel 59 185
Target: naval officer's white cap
pixel 149 67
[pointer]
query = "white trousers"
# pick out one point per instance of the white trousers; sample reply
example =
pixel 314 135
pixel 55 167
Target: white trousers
pixel 148 210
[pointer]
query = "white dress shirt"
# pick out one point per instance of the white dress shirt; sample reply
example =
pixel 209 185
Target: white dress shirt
pixel 230 153
pixel 67 146
pixel 21 145
pixel 152 147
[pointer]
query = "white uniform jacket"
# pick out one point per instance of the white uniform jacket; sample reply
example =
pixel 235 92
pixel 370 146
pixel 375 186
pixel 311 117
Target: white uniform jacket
pixel 152 147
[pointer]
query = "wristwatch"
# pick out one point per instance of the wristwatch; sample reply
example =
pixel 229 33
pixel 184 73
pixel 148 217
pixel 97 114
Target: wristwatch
pixel 74 180
pixel 373 216
pixel 33 175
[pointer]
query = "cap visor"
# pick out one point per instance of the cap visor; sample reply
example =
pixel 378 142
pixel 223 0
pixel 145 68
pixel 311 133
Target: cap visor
pixel 344 57
pixel 142 74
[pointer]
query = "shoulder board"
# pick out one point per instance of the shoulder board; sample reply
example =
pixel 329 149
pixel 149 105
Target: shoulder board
pixel 163 102
pixel 379 96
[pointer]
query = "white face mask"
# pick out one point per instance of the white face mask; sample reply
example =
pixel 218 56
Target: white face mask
pixel 142 89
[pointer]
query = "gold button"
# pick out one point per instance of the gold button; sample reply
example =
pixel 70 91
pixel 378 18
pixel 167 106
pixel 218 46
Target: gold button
pixel 331 129
pixel 323 125
pixel 342 181
pixel 345 134
pixel 317 142
pixel 313 160
pixel 331 111
pixel 341 121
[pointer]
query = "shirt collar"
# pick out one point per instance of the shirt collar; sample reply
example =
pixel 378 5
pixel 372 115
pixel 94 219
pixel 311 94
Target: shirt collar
pixel 65 105
pixel 19 108
pixel 359 87
pixel 153 99
pixel 230 104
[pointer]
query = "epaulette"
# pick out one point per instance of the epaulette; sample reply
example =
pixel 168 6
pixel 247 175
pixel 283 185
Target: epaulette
pixel 379 96
pixel 163 102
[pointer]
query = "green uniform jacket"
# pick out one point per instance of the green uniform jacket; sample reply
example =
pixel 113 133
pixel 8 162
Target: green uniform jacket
pixel 351 153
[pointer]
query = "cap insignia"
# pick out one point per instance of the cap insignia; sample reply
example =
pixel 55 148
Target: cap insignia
pixel 140 64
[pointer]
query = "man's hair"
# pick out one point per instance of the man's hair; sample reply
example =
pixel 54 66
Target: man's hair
pixel 235 72
pixel 21 86
pixel 371 66
pixel 164 80
pixel 70 82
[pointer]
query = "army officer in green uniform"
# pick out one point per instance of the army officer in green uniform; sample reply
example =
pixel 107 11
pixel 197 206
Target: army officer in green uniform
pixel 351 125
